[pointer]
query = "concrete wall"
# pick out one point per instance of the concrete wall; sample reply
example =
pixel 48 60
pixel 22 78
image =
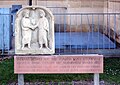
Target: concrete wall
pixel 9 3
pixel 72 22
pixel 74 5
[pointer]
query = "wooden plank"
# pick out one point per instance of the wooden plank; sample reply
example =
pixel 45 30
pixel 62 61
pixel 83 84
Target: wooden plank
pixel 1 29
pixel 5 28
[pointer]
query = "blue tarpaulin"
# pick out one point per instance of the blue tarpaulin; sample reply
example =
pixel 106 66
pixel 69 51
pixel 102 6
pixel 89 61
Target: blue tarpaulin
pixel 82 40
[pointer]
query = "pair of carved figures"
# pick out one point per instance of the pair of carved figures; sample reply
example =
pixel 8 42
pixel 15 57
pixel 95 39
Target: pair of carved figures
pixel 29 24
pixel 34 31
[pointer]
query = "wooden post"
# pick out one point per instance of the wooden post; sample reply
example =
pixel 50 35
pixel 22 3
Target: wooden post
pixel 96 78
pixel 20 79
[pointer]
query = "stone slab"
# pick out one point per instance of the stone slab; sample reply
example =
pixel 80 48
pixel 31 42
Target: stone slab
pixel 34 31
pixel 52 64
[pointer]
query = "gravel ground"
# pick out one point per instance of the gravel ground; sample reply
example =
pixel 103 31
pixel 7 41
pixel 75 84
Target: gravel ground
pixel 65 83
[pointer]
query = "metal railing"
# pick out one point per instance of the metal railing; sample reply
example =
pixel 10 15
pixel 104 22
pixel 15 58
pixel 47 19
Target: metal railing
pixel 87 33
pixel 75 33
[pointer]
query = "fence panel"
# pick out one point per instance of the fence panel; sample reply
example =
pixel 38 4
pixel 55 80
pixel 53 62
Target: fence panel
pixel 5 29
pixel 75 33
pixel 85 33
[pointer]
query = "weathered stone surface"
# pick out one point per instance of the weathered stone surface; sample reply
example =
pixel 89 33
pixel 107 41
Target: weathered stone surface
pixel 34 31
pixel 58 64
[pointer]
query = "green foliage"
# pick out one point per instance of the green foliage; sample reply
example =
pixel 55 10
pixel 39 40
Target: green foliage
pixel 111 73
pixel 57 77
pixel 7 72
pixel 111 70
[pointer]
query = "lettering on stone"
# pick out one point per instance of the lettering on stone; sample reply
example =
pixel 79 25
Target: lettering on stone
pixel 58 64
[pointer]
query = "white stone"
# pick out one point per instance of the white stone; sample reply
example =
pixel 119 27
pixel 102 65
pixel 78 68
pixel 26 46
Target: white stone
pixel 34 31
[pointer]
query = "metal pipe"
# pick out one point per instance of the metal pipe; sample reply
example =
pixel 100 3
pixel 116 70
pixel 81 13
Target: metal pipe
pixel 30 2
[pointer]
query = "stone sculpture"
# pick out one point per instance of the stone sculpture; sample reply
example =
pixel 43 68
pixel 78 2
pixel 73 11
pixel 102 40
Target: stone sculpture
pixel 43 26
pixel 34 31
pixel 27 27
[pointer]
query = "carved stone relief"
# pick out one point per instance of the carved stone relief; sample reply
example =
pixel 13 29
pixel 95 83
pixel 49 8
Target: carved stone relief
pixel 34 31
